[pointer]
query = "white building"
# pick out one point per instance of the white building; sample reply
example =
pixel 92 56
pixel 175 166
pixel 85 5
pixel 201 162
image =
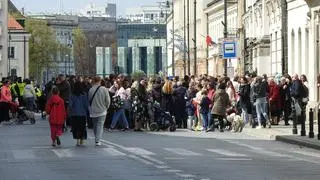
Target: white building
pixel 180 22
pixel 97 10
pixel 215 13
pixel 18 49
pixel 3 38
pixel 148 14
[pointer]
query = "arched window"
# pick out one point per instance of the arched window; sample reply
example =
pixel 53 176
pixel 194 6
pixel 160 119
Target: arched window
pixel 292 60
pixel 299 51
pixel 306 61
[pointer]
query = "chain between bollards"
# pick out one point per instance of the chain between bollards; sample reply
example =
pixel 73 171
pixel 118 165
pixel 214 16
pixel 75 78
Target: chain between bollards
pixel 311 133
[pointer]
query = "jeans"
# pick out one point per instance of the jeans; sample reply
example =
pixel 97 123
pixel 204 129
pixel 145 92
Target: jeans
pixel 261 109
pixel 205 117
pixel 245 115
pixel 29 103
pixel 98 123
pixel 119 116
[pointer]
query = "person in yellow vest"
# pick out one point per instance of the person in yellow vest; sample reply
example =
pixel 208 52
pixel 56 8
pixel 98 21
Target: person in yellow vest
pixel 19 88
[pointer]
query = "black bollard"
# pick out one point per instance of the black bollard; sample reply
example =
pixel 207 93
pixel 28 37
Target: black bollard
pixel 311 133
pixel 303 122
pixel 319 123
pixel 294 126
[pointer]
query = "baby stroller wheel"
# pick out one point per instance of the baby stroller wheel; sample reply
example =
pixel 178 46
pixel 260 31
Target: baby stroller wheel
pixel 154 126
pixel 32 121
pixel 172 128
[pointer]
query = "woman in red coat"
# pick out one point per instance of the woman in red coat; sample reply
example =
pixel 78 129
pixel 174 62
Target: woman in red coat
pixel 275 102
pixel 57 115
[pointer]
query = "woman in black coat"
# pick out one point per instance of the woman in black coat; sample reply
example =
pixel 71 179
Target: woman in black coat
pixel 167 97
pixel 244 102
pixel 179 102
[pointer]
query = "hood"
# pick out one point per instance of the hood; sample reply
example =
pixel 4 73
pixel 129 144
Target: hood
pixel 56 99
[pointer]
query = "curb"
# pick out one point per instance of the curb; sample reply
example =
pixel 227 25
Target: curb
pixel 299 142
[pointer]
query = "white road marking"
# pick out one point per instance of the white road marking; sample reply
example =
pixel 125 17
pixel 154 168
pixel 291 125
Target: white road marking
pixel 138 151
pixel 182 152
pixel 140 159
pixel 225 152
pixel 185 175
pixel 62 153
pixel 153 160
pixel 174 158
pixel 112 152
pixel 173 170
pixel 162 167
pixel 23 154
pixel 306 153
pixel 233 159
pixel 42 147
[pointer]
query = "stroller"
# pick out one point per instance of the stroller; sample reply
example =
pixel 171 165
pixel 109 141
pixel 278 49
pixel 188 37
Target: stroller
pixel 163 120
pixel 21 114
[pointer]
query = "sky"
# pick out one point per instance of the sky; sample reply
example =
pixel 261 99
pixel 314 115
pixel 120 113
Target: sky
pixel 52 6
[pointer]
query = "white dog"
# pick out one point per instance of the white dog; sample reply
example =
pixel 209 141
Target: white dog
pixel 236 122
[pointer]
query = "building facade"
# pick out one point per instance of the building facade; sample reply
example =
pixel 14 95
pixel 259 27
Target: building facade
pixel 142 47
pixel 18 49
pixel 148 14
pixel 62 26
pixel 215 15
pixel 4 68
pixel 96 10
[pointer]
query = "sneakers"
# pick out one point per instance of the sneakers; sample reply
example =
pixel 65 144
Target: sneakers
pixel 58 141
pixel 98 143
pixel 258 127
pixel 53 144
pixel 78 142
pixel 82 141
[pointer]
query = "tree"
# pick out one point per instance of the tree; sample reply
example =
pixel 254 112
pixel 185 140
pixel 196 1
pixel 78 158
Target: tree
pixel 43 46
pixel 81 61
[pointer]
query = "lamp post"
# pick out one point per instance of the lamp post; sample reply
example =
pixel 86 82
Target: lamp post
pixel 195 37
pixel 184 38
pixel 188 35
pixel 225 33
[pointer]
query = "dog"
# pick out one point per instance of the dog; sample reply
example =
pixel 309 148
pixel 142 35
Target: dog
pixel 237 123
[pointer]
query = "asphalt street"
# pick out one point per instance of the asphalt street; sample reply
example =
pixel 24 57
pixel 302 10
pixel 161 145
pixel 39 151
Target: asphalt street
pixel 26 154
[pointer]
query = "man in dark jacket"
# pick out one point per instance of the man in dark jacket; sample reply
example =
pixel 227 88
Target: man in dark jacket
pixel 65 92
pixel 296 93
pixel 180 105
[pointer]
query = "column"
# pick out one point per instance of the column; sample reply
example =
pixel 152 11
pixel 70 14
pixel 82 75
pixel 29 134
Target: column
pixel 122 59
pixel 99 60
pixel 151 68
pixel 136 61
pixel 108 61
pixel 164 59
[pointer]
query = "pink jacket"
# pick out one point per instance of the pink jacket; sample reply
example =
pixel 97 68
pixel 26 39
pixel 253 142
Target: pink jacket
pixel 5 94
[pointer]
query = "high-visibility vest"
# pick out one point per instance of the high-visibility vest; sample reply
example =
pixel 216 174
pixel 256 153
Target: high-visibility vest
pixel 13 90
pixel 21 87
pixel 38 92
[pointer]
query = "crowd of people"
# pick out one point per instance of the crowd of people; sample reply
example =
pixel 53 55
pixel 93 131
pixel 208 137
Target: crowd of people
pixel 202 103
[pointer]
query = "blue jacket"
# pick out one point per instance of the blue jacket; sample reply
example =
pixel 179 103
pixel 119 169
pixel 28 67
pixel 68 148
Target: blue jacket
pixel 79 105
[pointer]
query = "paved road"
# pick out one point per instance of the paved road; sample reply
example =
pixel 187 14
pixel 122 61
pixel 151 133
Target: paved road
pixel 26 154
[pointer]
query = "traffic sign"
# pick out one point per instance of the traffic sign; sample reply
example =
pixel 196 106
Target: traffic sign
pixel 229 50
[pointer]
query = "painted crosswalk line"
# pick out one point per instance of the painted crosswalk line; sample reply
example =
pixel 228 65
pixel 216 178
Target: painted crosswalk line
pixel 111 152
pixel 63 153
pixel 138 151
pixel 182 152
pixel 225 152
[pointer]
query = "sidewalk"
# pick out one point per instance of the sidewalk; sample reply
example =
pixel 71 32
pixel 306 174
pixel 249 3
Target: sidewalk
pixel 279 133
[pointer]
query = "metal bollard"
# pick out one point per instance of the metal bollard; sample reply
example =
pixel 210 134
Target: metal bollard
pixel 311 133
pixel 294 120
pixel 319 123
pixel 303 123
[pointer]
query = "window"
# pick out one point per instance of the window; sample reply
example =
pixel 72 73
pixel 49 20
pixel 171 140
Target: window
pixel 11 52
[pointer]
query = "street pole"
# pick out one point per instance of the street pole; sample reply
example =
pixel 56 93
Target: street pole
pixel 225 32
pixel 173 63
pixel 207 50
pixel 184 38
pixel 188 34
pixel 195 38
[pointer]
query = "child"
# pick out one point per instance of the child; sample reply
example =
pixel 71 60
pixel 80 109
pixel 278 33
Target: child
pixel 57 115
pixel 204 109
